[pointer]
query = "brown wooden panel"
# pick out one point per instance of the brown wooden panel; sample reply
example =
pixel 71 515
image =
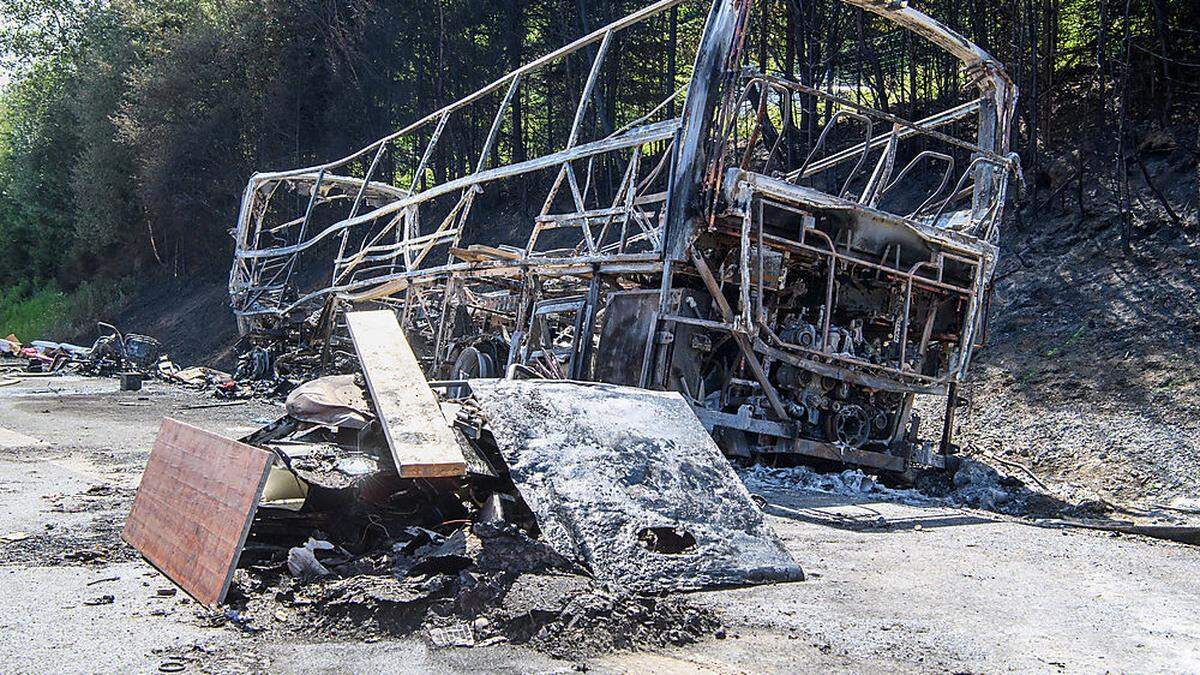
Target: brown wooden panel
pixel 422 443
pixel 194 506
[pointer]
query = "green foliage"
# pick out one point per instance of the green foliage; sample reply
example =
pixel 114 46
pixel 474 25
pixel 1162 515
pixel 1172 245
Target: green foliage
pixel 105 207
pixel 47 313
pixel 37 201
pixel 32 315
pixel 128 128
pixel 185 119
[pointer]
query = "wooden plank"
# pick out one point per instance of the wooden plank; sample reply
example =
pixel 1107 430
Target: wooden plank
pixel 194 506
pixel 422 443
pixel 478 252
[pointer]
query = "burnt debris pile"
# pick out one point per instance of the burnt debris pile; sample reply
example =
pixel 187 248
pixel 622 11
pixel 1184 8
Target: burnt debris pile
pixel 560 514
pixel 481 584
pixel 112 353
pixel 269 364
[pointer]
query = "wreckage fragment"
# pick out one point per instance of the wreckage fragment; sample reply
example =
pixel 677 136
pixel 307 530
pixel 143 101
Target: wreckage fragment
pixel 333 401
pixel 10 345
pixel 194 507
pixel 800 289
pixel 422 443
pixel 629 482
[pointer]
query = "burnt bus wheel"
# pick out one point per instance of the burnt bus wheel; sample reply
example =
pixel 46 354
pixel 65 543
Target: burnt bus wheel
pixel 479 361
pixel 473 363
pixel 850 426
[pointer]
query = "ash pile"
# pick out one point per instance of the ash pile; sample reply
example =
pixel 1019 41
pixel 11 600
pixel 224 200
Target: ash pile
pixel 567 516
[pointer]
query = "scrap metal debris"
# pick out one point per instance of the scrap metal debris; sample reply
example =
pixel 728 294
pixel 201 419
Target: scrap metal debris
pixel 457 635
pixel 339 528
pixel 111 354
pixel 130 357
pixel 302 560
pixel 629 482
pixel 118 353
pixel 196 376
pixel 134 359
pixel 800 289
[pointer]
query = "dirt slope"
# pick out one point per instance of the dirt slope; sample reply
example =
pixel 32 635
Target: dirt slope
pixel 191 317
pixel 1092 372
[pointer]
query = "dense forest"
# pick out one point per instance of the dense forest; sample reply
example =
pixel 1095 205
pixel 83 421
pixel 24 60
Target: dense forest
pixel 128 128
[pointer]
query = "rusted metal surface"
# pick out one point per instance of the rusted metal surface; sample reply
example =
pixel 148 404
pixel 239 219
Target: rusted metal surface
pixel 813 292
pixel 194 506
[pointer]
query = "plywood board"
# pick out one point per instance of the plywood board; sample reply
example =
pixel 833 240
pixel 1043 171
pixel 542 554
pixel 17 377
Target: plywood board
pixel 422 443
pixel 628 482
pixel 194 506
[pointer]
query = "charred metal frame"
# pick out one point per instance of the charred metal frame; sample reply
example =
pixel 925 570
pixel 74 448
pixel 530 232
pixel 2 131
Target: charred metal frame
pixel 680 250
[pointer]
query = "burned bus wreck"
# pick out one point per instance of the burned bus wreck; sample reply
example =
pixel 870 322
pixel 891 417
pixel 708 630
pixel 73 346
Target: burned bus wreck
pixel 799 282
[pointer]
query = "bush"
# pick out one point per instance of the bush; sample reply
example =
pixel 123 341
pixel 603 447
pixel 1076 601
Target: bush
pixel 47 313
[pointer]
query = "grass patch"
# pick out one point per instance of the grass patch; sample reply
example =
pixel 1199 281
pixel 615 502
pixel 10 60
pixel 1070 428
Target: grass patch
pixel 1055 351
pixel 48 313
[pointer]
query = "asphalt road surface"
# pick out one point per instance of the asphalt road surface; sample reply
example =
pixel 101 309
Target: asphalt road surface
pixel 892 587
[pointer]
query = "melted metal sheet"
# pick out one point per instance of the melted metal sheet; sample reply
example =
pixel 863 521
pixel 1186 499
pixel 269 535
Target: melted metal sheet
pixel 612 473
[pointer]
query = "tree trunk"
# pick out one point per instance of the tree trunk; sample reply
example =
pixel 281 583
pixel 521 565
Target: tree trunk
pixel 516 41
pixel 764 27
pixel 672 59
pixel 1102 64
pixel 1164 46
pixel 1122 123
pixel 1034 67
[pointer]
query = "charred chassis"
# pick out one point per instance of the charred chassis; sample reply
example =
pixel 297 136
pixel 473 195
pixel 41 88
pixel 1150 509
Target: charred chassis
pixel 794 298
